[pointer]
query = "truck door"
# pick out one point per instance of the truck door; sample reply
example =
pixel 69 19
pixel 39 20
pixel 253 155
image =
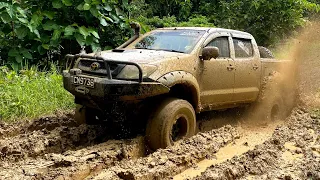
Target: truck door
pixel 217 75
pixel 247 69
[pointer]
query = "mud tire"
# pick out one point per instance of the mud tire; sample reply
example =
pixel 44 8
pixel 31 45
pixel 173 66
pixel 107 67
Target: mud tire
pixel 85 115
pixel 270 106
pixel 265 53
pixel 159 132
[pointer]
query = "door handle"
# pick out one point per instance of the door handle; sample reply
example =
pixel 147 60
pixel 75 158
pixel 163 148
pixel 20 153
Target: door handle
pixel 255 67
pixel 230 67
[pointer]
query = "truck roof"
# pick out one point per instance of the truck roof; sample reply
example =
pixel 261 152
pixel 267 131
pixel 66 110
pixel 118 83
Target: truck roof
pixel 209 29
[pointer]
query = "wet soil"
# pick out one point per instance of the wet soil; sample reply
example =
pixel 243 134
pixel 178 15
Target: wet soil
pixel 228 145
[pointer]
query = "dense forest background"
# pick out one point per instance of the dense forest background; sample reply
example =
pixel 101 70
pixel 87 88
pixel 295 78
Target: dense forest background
pixel 41 32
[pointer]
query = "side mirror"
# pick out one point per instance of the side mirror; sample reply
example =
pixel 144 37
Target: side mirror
pixel 210 52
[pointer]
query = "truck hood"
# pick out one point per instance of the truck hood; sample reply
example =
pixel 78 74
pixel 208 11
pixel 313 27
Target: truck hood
pixel 140 56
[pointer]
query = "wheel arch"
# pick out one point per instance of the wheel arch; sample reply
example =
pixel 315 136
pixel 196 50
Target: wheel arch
pixel 183 85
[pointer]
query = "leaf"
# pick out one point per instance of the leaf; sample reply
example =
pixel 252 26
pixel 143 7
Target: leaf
pixel 80 39
pixel 56 34
pixel 103 22
pixel 84 31
pixel 80 7
pixel 10 10
pixel 95 47
pixel 107 7
pixel 36 32
pixel 94 11
pixel 96 2
pixel 22 12
pixel 86 6
pixel 49 14
pixel 89 40
pixel 22 32
pixel 57 4
pixel 49 26
pixel 26 53
pixel 13 53
pixel 3 4
pixel 69 30
pixel 114 17
pixel 94 32
pixel 5 17
pixel 36 19
pixel 46 46
pixel 87 1
pixel 23 20
pixel 41 50
pixel 19 58
pixel 67 2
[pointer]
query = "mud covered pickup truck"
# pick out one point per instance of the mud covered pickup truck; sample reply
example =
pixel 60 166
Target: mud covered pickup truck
pixel 164 78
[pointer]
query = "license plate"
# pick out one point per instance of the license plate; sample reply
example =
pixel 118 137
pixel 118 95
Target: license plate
pixel 88 82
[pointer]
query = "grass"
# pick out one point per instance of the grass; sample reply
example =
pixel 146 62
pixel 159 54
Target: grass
pixel 31 93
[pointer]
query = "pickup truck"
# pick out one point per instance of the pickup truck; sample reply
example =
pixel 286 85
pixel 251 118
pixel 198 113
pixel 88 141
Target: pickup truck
pixel 171 74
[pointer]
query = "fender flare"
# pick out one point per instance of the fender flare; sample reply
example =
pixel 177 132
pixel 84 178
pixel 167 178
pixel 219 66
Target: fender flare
pixel 184 78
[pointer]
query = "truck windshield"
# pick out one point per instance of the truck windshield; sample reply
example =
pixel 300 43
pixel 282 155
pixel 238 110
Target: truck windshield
pixel 182 41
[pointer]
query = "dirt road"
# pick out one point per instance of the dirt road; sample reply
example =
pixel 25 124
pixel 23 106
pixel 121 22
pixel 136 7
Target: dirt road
pixel 228 144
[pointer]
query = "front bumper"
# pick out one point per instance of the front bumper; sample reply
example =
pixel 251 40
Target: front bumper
pixel 111 90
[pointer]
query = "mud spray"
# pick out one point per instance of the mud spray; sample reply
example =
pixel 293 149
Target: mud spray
pixel 56 148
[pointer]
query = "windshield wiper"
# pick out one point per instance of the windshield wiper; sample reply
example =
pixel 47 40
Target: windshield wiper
pixel 170 50
pixel 141 48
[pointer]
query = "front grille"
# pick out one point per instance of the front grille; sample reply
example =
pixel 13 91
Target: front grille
pixel 85 66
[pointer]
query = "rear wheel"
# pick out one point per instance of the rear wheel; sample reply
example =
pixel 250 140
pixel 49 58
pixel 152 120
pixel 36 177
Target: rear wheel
pixel 172 121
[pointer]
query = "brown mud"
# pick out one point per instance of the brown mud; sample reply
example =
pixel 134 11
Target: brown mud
pixel 229 145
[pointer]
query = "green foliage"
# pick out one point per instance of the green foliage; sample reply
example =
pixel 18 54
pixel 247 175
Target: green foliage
pixel 31 93
pixel 268 21
pixel 31 30
pixel 156 22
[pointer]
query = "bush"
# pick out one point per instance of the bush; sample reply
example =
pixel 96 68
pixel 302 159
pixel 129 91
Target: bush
pixel 156 22
pixel 31 94
pixel 38 32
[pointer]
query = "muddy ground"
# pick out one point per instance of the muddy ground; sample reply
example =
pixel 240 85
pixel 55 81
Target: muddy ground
pixel 229 145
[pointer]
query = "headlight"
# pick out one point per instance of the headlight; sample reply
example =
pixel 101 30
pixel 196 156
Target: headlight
pixel 132 72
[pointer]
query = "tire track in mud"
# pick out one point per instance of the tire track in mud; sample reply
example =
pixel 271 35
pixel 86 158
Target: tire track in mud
pixel 293 152
pixel 251 134
pixel 167 162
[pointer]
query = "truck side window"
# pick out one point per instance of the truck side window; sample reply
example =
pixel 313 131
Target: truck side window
pixel 223 44
pixel 243 48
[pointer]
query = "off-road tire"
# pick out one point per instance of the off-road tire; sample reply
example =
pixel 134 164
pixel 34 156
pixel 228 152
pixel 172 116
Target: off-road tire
pixel 172 112
pixel 85 115
pixel 270 105
pixel 265 52
pixel 270 109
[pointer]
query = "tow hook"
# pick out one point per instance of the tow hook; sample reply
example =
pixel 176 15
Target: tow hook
pixel 82 90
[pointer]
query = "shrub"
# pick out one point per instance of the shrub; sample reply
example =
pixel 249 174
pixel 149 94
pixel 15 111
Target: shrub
pixel 31 93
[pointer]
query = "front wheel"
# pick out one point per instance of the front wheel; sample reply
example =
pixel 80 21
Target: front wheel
pixel 172 121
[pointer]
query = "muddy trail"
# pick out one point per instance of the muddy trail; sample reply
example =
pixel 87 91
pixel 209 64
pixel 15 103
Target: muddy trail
pixel 228 145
